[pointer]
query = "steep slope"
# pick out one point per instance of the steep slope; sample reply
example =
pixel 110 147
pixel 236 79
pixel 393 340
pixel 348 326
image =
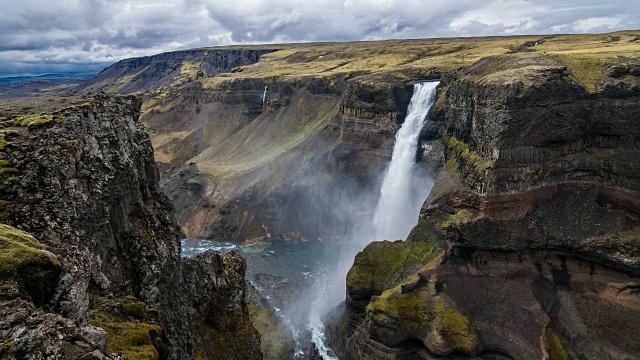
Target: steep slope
pixel 534 218
pixel 105 274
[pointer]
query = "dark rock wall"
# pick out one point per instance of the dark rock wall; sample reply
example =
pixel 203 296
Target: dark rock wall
pixel 86 185
pixel 536 212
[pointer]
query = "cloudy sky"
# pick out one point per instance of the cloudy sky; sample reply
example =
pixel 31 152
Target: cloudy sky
pixel 39 36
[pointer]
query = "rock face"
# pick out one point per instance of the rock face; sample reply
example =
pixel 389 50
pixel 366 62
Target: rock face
pixel 81 178
pixel 535 212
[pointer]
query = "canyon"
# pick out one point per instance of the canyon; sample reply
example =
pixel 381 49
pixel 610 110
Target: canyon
pixel 526 247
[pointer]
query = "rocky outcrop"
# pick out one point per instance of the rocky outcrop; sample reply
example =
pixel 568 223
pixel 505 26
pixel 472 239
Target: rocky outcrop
pixel 83 181
pixel 536 213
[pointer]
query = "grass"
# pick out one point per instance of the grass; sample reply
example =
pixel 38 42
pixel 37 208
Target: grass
pixel 123 320
pixel 266 138
pixel 366 59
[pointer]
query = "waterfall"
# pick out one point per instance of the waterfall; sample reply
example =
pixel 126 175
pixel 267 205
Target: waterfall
pixel 398 207
pixel 264 97
pixel 401 196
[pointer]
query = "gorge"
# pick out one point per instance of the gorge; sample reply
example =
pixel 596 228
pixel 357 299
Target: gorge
pixel 464 198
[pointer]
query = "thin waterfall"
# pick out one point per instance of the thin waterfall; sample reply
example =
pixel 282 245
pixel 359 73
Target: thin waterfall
pixel 401 197
pixel 264 97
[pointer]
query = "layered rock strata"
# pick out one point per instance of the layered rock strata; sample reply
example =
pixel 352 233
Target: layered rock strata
pixel 535 213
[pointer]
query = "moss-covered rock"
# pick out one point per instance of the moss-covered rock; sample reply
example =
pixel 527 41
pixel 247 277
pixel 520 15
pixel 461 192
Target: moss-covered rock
pixel 23 261
pixel 382 264
pixel 128 330
pixel 398 316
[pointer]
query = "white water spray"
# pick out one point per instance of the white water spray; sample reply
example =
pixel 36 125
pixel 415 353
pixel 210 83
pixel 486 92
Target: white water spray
pixel 397 212
pixel 399 207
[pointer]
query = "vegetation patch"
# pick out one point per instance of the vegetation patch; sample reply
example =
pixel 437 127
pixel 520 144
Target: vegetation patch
pixel 18 249
pixel 418 314
pixel 381 264
pixel 459 329
pixel 122 319
pixel 586 69
pixel 31 120
pixel 556 349
pixel 5 209
pixel 464 165
pixel 5 347
pixel 461 216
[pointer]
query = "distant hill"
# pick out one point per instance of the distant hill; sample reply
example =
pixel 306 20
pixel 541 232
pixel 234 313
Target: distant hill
pixel 39 85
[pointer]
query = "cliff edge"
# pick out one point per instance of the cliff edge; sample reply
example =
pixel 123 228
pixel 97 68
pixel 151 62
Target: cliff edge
pixel 93 266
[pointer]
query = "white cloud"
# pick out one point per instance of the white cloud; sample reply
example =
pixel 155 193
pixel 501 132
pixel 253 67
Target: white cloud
pixel 597 23
pixel 34 33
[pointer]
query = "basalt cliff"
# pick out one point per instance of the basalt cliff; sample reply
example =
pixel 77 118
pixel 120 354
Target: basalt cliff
pixel 527 247
pixel 90 265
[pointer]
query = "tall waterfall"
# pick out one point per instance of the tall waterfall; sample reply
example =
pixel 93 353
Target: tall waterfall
pixel 398 207
pixel 400 199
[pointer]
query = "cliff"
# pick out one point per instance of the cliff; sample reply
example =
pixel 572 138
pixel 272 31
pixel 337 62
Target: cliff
pixel 152 72
pixel 238 168
pixel 94 267
pixel 534 219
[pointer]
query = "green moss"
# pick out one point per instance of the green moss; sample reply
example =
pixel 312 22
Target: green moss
pixel 461 216
pixel 5 348
pixel 4 143
pixel 459 329
pixel 125 334
pixel 381 264
pixel 464 165
pixel 19 249
pixel 418 313
pixel 5 166
pixel 32 120
pixel 410 309
pixel 586 69
pixel 439 105
pixel 132 308
pixel 5 209
pixel 555 346
pixel 131 338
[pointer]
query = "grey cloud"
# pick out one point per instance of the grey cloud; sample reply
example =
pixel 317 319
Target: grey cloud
pixel 37 35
